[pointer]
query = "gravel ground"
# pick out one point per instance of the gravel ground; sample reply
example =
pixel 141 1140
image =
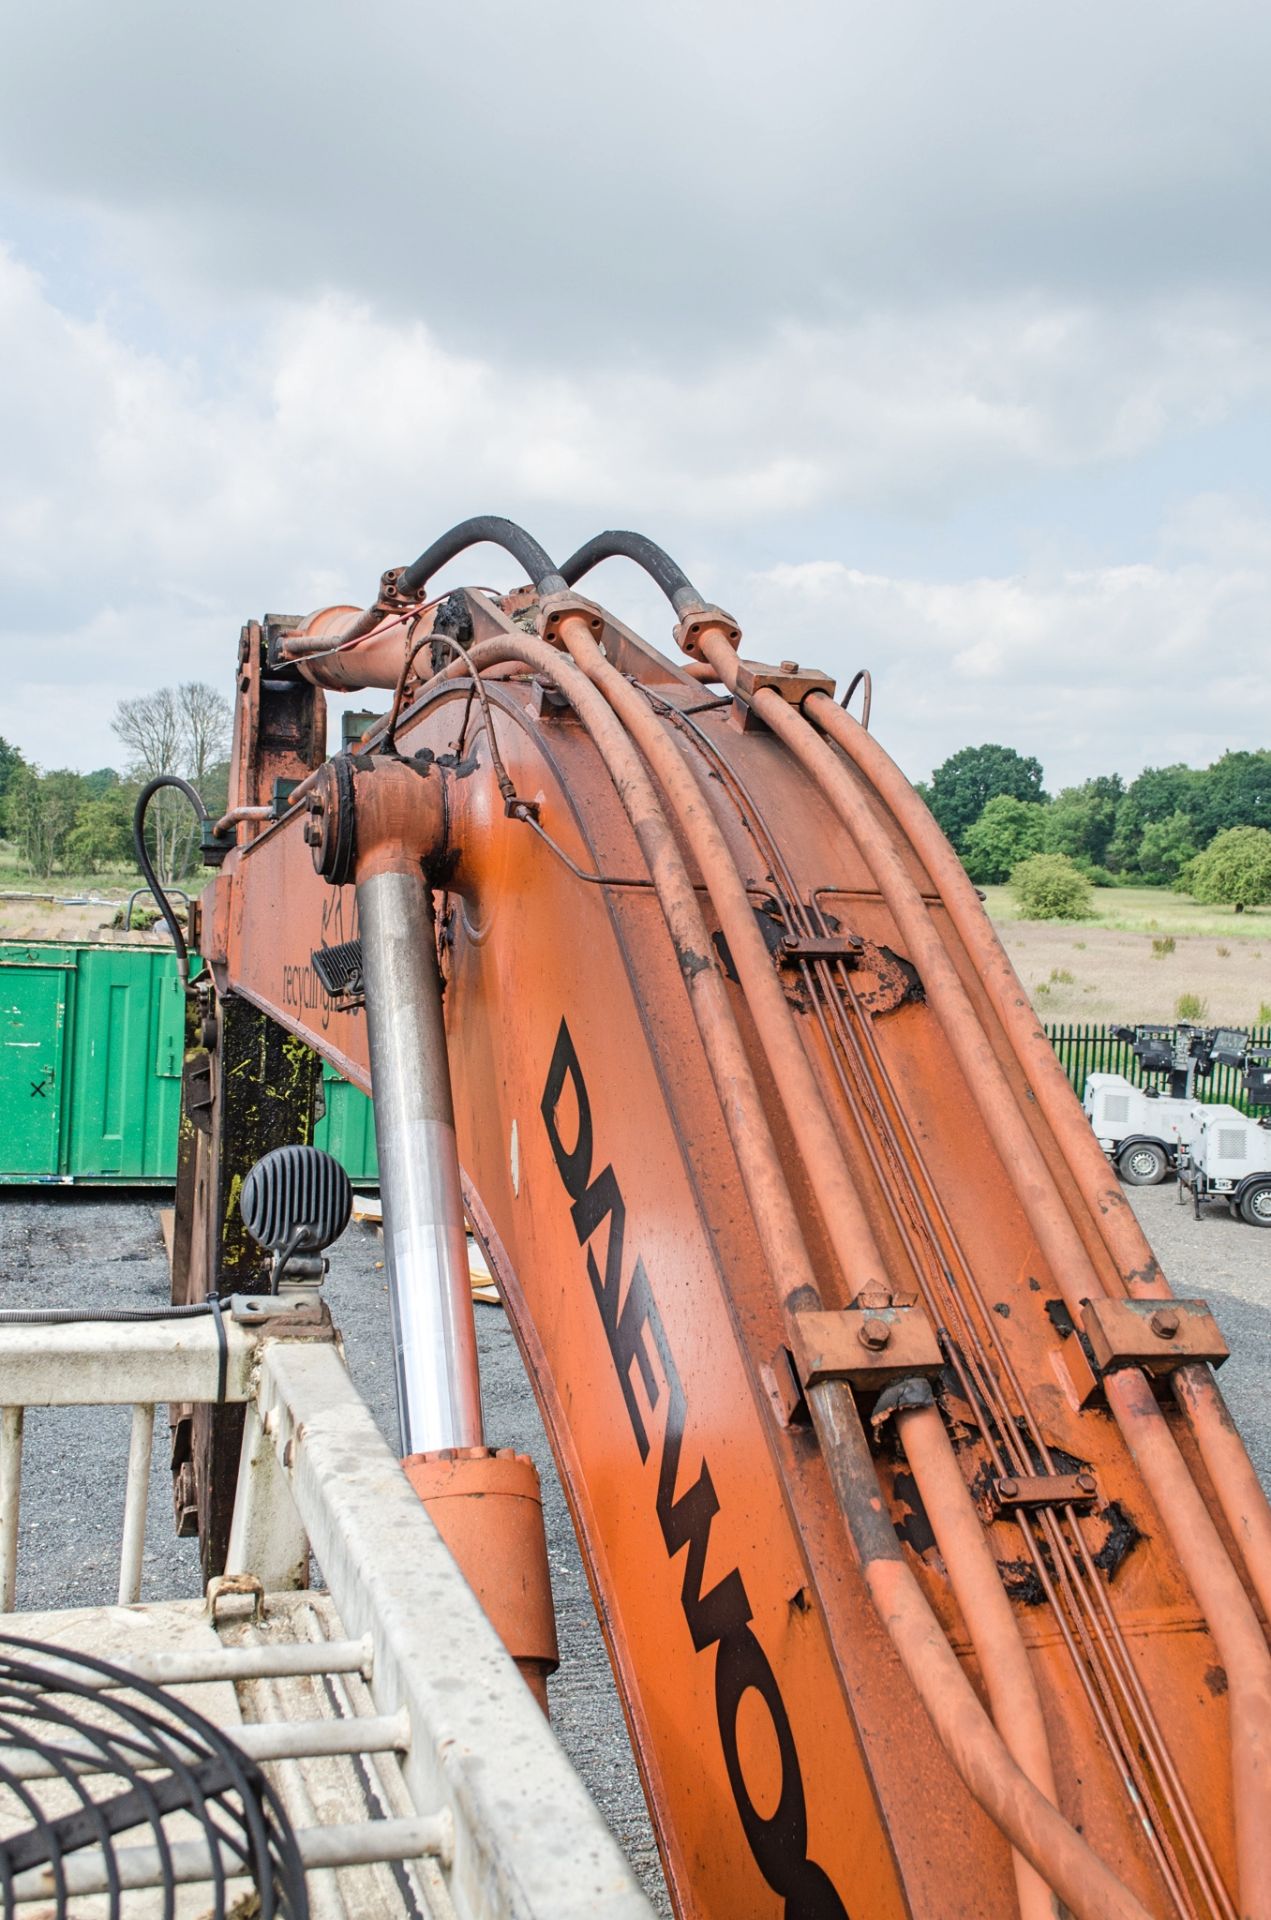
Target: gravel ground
pixel 63 1248
pixel 59 1248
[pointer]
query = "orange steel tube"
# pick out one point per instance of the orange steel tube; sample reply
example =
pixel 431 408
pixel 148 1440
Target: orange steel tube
pixel 1030 1822
pixel 776 1218
pixel 1195 1538
pixel 1004 1663
pixel 1232 1621
pixel 1235 1481
pixel 851 1235
pixel 1034 1827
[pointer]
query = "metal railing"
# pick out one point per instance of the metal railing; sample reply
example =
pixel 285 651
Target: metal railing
pixel 485 1799
pixel 1096 1049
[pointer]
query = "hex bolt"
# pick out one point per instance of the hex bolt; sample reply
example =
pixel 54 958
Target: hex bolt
pixel 1086 1481
pixel 789 666
pixel 1164 1323
pixel 1008 1488
pixel 874 1333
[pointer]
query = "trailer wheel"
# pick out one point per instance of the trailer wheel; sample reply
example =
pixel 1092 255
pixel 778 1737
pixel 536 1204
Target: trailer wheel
pixel 1143 1164
pixel 1255 1204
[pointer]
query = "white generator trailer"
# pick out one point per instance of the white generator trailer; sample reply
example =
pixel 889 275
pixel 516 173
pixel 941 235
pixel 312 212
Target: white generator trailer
pixel 1143 1130
pixel 1229 1157
pixel 1139 1128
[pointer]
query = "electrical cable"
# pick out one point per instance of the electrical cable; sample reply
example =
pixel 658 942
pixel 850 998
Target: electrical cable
pixel 485 529
pixel 143 859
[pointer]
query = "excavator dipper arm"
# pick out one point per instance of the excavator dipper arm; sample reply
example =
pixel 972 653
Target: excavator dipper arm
pixel 927 1557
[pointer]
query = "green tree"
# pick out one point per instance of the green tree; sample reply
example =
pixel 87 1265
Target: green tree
pixel 39 813
pixel 969 779
pixel 10 760
pixel 102 833
pixel 1234 792
pixel 1165 848
pixel 1234 870
pixel 1155 795
pixel 1006 832
pixel 1049 886
pixel 1080 821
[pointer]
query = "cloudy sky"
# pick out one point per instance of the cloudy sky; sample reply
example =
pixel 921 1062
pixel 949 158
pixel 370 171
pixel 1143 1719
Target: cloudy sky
pixel 930 338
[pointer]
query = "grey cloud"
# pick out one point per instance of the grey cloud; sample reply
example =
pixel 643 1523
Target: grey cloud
pixel 653 179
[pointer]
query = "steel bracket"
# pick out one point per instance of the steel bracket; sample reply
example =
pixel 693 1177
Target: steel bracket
pixel 1045 1490
pixel 793 682
pixel 813 946
pixel 869 1347
pixel 1157 1335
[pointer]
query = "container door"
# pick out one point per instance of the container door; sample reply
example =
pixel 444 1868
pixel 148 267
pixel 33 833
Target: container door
pixel 32 1034
pixel 113 1064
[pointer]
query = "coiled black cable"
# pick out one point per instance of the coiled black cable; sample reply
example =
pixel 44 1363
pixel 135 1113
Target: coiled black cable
pixel 143 858
pixel 485 529
pixel 646 553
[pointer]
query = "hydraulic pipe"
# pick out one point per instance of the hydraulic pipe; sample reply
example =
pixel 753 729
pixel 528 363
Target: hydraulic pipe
pixel 977 1586
pixel 1214 1582
pixel 1034 1827
pixel 485 528
pixel 647 555
pixel 979 1755
pixel 425 1238
pixel 855 1247
pixel 1226 1458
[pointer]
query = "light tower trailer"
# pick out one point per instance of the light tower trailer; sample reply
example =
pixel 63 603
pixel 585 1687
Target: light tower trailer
pixel 1229 1157
pixel 1143 1130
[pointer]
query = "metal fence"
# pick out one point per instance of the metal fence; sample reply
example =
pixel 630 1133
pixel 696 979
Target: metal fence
pixel 1088 1049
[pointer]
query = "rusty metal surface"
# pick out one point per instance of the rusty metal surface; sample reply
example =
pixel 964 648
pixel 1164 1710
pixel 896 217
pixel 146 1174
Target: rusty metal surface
pixel 789 1763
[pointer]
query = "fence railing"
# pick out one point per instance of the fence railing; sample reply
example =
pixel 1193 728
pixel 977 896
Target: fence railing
pixel 1096 1049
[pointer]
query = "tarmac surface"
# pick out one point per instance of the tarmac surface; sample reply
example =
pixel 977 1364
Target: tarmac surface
pixel 63 1248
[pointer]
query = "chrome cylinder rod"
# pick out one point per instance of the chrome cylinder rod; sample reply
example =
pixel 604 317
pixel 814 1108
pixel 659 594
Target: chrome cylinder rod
pixel 425 1239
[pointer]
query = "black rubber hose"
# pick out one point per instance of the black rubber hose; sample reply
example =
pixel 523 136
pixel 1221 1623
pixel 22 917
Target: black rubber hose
pixel 144 798
pixel 487 529
pixel 658 564
pixel 72 1316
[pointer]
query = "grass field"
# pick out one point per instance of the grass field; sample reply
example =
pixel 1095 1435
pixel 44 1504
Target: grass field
pixel 1140 952
pixel 1119 965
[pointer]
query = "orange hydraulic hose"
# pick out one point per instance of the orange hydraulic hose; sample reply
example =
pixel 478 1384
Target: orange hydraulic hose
pixel 980 1756
pixel 1004 1663
pixel 851 1235
pixel 1232 1621
pixel 1227 1462
pixel 1221 1596
pixel 776 1218
pixel 1030 1822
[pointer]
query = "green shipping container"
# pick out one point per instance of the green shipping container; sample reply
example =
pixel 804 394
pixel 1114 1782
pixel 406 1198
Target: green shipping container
pixel 91 1043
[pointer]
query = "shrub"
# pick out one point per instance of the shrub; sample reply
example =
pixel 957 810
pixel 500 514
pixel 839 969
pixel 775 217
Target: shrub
pixel 1050 887
pixel 1062 977
pixel 1161 947
pixel 1224 953
pixel 1233 871
pixel 1264 1014
pixel 1190 1006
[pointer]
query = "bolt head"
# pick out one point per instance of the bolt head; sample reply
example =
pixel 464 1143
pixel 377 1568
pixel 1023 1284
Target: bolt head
pixel 874 1333
pixel 789 666
pixel 1086 1481
pixel 1008 1488
pixel 1164 1323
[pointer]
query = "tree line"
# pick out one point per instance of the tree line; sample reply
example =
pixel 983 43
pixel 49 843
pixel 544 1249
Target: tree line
pixel 60 821
pixel 1204 829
